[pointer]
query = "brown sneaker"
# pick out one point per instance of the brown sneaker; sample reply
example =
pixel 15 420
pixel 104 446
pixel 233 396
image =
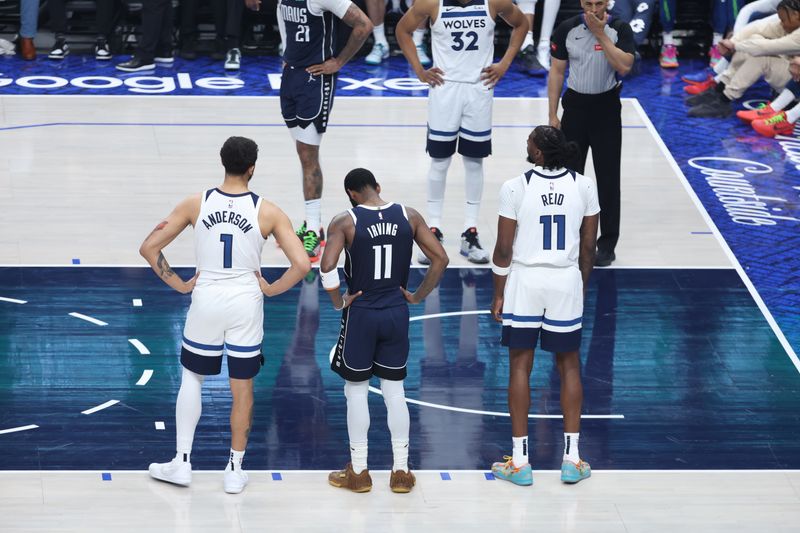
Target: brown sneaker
pixel 402 482
pixel 348 479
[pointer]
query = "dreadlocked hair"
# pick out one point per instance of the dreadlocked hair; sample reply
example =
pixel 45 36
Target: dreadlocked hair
pixel 789 5
pixel 556 150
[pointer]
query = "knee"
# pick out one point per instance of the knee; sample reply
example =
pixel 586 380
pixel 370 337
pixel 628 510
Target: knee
pixel 354 390
pixel 309 154
pixel 392 389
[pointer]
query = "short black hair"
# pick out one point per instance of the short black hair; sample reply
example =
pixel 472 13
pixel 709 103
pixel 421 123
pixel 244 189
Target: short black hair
pixel 238 154
pixel 556 150
pixel 789 5
pixel 359 179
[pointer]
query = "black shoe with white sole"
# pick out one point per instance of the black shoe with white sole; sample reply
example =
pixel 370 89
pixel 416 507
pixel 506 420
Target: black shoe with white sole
pixel 101 50
pixel 604 258
pixel 233 59
pixel 136 64
pixel 60 49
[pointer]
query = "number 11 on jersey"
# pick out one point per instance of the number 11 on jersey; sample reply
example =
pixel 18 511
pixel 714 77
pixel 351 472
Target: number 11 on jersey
pixel 383 261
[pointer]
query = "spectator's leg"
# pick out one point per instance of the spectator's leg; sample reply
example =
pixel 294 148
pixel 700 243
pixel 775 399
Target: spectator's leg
pixel 104 18
pixel 29 18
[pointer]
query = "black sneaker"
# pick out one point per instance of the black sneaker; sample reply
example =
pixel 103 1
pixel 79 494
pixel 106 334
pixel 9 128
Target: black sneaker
pixel 60 49
pixel 422 258
pixel 165 58
pixel 188 50
pixel 233 59
pixel 530 62
pixel 719 107
pixel 101 50
pixel 136 64
pixel 604 258
pixel 702 98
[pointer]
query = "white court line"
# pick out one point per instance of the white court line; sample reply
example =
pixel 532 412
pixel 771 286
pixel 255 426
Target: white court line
pixel 454 313
pixel 139 346
pixel 137 302
pixel 722 242
pixel 100 407
pixel 20 428
pixel 89 319
pixel 12 300
pixel 160 425
pixel 146 375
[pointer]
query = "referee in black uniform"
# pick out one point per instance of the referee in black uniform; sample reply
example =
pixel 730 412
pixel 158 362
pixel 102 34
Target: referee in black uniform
pixel 598 49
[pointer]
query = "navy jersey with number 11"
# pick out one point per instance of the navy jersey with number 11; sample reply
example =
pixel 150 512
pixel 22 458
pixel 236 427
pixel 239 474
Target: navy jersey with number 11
pixel 379 259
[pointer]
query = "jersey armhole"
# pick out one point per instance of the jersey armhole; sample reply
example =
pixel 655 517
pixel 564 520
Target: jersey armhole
pixel 258 216
pixel 405 213
pixel 353 216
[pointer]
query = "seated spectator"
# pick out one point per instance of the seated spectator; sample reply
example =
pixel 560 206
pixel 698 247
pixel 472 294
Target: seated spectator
pixel 228 24
pixel 28 21
pixel 760 49
pixel 155 46
pixel 104 18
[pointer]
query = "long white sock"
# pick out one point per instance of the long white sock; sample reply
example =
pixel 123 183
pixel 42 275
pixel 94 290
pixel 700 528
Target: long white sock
pixel 473 188
pixel 394 397
pixel 437 178
pixel 549 15
pixel 520 451
pixel 380 35
pixel 571 447
pixel 235 460
pixel 187 411
pixel 716 38
pixel 667 39
pixel 793 114
pixel 357 422
pixel 314 214
pixel 419 37
pixel 782 100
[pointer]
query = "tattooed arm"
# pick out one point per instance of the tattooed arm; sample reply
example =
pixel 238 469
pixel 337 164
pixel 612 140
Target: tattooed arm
pixel 164 233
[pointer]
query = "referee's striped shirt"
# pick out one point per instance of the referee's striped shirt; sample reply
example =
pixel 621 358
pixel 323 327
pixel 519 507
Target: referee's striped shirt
pixel 589 70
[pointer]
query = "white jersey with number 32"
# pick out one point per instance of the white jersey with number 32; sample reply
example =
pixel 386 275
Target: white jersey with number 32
pixel 462 39
pixel 227 237
pixel 549 206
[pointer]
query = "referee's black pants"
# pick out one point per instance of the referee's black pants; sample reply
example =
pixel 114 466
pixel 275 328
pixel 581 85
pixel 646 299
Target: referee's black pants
pixel 594 121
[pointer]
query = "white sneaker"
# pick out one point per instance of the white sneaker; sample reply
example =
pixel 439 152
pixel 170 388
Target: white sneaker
pixel 379 52
pixel 176 471
pixel 424 58
pixel 543 55
pixel 235 481
pixel 471 247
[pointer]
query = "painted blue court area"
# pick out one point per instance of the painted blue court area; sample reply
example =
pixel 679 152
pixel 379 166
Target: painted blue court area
pixel 680 368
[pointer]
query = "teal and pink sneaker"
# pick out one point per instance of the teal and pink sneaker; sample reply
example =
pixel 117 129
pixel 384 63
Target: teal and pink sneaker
pixel 518 475
pixel 714 56
pixel 669 56
pixel 574 472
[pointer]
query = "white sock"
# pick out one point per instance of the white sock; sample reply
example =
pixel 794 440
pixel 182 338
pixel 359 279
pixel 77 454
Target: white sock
pixel 187 411
pixel 437 178
pixel 528 40
pixel 793 114
pixel 782 100
pixel 549 15
pixel 716 39
pixel 571 447
pixel 721 66
pixel 520 453
pixel 380 35
pixel 473 185
pixel 357 422
pixel 419 36
pixel 235 461
pixel 394 397
pixel 314 214
pixel 667 38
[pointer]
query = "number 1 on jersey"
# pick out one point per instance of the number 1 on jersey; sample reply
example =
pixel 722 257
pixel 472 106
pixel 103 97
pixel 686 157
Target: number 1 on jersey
pixel 561 222
pixel 227 252
pixel 383 261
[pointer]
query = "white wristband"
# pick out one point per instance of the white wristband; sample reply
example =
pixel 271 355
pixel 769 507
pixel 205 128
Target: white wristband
pixel 501 271
pixel 330 280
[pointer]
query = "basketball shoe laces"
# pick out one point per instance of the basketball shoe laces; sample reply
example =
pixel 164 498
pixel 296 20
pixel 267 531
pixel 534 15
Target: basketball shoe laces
pixel 777 119
pixel 310 240
pixel 472 239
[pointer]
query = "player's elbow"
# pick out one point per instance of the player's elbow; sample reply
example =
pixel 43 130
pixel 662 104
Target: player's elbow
pixel 441 261
pixel 145 251
pixel 363 30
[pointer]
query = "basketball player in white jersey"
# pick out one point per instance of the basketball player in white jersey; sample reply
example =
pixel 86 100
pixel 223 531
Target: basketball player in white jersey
pixel 231 225
pixel 462 82
pixel 546 236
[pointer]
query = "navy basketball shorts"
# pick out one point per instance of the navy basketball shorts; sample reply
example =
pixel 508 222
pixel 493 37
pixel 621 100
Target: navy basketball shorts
pixel 225 315
pixel 544 302
pixel 460 115
pixel 372 342
pixel 306 99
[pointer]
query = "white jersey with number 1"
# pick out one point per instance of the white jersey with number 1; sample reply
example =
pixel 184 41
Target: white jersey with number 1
pixel 227 237
pixel 462 39
pixel 549 206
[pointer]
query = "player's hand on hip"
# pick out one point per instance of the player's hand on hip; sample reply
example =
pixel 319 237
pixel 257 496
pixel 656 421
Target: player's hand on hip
pixel 433 77
pixel 348 298
pixel 411 297
pixel 188 286
pixel 330 66
pixel 497 309
pixel 492 74
pixel 255 5
pixel 263 284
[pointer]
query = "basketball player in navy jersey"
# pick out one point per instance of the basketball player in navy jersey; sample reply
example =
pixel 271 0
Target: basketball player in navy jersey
pixel 462 84
pixel 546 232
pixel 307 86
pixel 231 225
pixel 377 237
